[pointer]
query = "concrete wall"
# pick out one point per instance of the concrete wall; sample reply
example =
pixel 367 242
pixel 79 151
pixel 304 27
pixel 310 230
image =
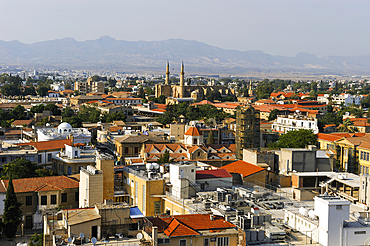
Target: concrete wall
pixel 91 189
pixel 107 166
pixel 297 159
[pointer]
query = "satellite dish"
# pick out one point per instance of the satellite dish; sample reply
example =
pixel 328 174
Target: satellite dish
pixel 69 240
pixel 82 235
pixel 94 240
pixel 282 170
pixel 139 236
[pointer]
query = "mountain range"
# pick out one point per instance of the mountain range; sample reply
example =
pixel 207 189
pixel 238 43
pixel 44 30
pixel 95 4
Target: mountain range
pixel 110 54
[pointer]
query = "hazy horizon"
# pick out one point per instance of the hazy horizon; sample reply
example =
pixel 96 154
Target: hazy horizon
pixel 287 27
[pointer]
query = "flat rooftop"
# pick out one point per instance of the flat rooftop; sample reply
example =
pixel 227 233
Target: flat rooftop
pixel 351 179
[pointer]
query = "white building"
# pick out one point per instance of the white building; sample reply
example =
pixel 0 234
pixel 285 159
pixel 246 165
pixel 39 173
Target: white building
pixel 285 123
pixel 329 224
pixel 182 178
pixel 63 131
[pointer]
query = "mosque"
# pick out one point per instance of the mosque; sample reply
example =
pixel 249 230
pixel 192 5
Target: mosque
pixel 64 131
pixel 197 92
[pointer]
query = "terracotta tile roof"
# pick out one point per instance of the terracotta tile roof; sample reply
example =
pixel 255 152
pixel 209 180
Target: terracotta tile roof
pixel 213 174
pixel 243 168
pixel 140 139
pixel 115 128
pixel 192 131
pixel 338 135
pixel 49 145
pixel 21 122
pixel 218 147
pixel 42 184
pixel 136 160
pixel 160 106
pixel 67 91
pixel 175 229
pixel 364 145
pixel 191 149
pixel 189 224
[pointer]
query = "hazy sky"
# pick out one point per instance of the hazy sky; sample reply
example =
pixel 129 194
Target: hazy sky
pixel 278 27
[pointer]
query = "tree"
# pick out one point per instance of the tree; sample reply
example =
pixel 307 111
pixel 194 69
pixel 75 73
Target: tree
pixel 165 118
pixel 273 114
pixel 347 126
pixel 18 113
pixel 107 118
pixel 12 216
pixel 53 108
pixel 165 158
pixel 141 92
pixel 295 139
pixel 42 90
pixel 37 239
pixel 67 112
pixel 18 169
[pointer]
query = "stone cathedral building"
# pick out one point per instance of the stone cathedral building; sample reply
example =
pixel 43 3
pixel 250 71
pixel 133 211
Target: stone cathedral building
pixel 197 92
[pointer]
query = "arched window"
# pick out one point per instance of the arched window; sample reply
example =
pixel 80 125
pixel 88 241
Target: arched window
pixel 69 170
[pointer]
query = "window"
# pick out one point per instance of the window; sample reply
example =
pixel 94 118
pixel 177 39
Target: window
pixel 198 153
pixel 223 241
pixel 126 150
pixel 339 207
pixel 157 207
pixel 195 141
pixel 136 150
pixel 39 158
pixel 53 199
pixel 206 242
pixel 3 159
pixel 44 200
pixel 76 153
pixel 64 197
pixel 76 196
pixel 49 157
pixel 367 156
pixel 360 232
pixel 182 242
pixel 28 200
pixel 69 170
pixel 361 155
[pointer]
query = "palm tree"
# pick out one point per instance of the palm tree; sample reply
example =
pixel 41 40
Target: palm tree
pixel 347 126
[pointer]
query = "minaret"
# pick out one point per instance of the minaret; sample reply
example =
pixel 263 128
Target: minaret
pixel 182 88
pixel 167 82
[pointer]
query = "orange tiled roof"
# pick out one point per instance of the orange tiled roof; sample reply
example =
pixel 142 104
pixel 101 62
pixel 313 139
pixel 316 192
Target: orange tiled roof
pixel 42 184
pixel 21 122
pixel 243 168
pixel 175 228
pixel 192 131
pixel 49 145
pixel 213 174
pixel 189 224
pixel 337 135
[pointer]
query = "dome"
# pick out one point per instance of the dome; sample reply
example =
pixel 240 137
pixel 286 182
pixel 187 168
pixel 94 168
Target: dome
pixel 64 128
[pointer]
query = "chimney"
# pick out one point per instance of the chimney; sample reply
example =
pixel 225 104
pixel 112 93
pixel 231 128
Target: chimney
pixel 211 217
pixel 155 235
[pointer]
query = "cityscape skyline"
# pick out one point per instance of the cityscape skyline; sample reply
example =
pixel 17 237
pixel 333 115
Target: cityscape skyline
pixel 278 28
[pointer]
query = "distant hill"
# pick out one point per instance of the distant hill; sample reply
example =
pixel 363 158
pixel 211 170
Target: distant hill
pixel 108 53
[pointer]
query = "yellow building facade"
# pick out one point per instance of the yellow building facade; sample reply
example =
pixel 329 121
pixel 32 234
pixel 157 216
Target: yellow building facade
pixel 144 192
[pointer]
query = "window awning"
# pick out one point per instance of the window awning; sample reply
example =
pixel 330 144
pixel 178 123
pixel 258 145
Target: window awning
pixel 135 213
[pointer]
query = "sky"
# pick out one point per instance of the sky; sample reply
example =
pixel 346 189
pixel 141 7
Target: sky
pixel 277 27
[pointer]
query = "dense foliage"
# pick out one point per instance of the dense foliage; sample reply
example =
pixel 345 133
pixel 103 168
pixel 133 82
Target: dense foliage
pixel 205 111
pixel 12 216
pixel 295 139
pixel 22 168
